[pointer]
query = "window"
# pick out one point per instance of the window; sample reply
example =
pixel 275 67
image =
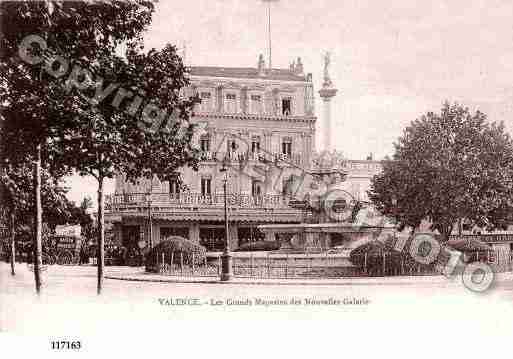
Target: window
pixel 206 102
pixel 286 106
pixel 291 185
pixel 256 188
pixel 286 186
pixel 205 143
pixel 255 104
pixel 231 145
pixel 286 146
pixel 174 188
pixel 206 186
pixel 231 103
pixel 255 144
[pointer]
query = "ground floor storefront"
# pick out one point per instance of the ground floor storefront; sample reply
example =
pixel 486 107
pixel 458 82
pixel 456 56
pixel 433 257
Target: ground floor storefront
pixel 136 233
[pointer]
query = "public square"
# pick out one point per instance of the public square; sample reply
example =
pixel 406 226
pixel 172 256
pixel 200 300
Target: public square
pixel 69 304
pixel 256 179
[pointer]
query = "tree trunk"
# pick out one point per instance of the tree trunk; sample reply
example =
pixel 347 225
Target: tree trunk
pixel 38 220
pixel 13 248
pixel 101 235
pixel 149 245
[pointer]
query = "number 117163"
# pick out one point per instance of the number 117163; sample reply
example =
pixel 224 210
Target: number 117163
pixel 66 345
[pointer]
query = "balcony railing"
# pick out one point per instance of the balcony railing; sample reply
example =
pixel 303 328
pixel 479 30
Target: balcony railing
pixel 194 199
pixel 262 156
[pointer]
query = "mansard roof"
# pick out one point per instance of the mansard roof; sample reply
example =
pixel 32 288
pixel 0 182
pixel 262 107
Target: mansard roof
pixel 247 73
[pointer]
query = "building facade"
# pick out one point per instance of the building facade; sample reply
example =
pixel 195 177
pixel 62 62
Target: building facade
pixel 259 125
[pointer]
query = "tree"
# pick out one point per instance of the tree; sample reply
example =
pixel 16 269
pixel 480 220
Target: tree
pixel 447 168
pixel 33 95
pixel 108 140
pixel 18 202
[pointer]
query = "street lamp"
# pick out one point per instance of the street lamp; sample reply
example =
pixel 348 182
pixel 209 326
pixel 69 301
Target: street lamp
pixel 226 257
pixel 150 221
pixel 394 208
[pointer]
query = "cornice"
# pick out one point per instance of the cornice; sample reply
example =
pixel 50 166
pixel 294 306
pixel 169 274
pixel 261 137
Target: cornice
pixel 248 82
pixel 260 117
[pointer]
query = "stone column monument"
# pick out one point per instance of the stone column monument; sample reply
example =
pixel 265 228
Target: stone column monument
pixel 327 92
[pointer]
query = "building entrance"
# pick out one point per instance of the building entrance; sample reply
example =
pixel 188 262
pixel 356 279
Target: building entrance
pixel 212 238
pixel 131 236
pixel 249 234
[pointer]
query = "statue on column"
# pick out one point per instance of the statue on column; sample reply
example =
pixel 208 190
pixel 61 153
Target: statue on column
pixel 327 62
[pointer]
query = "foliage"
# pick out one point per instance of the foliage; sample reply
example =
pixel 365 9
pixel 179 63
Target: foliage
pixel 111 140
pixel 34 103
pixel 259 246
pixel 74 129
pixel 374 251
pixel 17 195
pixel 448 167
pixel 178 249
pixel 36 107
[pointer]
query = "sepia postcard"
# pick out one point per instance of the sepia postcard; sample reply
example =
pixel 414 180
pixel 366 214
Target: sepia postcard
pixel 256 178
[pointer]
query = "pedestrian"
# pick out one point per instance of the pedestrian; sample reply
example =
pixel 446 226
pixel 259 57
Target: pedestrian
pixel 84 257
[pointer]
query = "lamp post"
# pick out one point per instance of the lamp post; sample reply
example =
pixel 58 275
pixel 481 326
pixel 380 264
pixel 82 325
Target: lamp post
pixel 150 221
pixel 226 257
pixel 394 209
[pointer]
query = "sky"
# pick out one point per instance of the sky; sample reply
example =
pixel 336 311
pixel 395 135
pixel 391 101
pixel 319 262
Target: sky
pixel 391 61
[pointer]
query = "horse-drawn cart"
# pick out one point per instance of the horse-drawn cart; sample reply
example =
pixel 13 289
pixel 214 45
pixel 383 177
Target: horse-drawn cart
pixel 64 249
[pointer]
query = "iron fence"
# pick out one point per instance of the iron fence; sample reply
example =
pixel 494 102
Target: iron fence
pixel 311 265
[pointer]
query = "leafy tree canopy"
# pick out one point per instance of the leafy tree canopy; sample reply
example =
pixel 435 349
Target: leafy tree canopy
pixel 448 167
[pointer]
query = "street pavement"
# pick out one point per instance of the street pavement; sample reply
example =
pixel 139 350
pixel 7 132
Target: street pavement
pixel 69 301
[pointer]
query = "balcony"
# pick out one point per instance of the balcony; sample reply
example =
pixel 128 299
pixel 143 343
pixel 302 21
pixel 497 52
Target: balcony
pixel 119 202
pixel 295 159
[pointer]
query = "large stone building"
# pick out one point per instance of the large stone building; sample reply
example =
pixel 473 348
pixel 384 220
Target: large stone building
pixel 264 122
